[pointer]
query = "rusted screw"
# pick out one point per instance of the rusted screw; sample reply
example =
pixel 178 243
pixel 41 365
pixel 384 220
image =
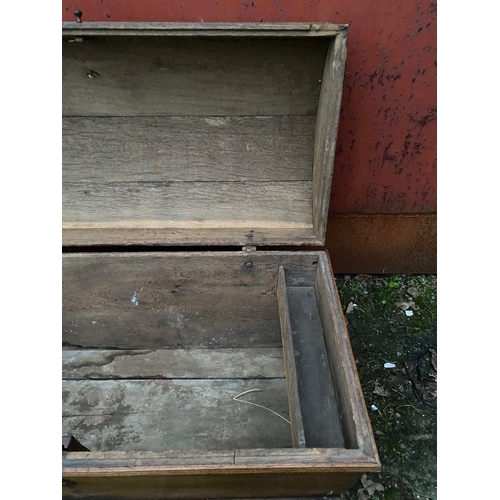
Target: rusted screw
pixel 78 15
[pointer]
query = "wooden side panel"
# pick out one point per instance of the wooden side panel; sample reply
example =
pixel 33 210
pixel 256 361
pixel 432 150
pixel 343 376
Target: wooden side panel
pixel 143 76
pixel 318 401
pixel 102 364
pixel 158 415
pixel 243 485
pixel 297 425
pixel 188 148
pixel 165 300
pixel 326 131
pixel 214 204
pixel 354 416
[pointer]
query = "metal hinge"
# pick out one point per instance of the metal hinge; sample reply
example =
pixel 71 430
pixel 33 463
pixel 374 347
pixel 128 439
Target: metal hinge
pixel 249 249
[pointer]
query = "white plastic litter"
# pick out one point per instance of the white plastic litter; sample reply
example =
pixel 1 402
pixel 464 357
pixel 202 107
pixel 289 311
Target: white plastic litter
pixel 374 408
pixel 389 365
pixel 409 313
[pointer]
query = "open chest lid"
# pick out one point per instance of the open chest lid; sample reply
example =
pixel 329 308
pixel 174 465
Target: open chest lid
pixel 199 134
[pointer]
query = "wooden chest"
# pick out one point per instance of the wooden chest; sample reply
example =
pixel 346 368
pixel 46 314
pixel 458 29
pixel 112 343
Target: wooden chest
pixel 204 373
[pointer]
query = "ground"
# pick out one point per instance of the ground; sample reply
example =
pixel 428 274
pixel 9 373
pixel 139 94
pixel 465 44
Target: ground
pixel 392 322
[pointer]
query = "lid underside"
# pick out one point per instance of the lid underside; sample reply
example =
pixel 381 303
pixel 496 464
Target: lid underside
pixel 182 140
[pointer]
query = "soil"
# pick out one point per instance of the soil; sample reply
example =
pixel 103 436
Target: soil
pixel 392 322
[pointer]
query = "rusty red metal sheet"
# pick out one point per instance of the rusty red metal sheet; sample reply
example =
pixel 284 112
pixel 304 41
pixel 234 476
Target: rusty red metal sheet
pixel 383 244
pixel 386 156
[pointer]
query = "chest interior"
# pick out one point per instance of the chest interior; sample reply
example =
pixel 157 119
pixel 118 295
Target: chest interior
pixel 195 141
pixel 202 141
pixel 157 348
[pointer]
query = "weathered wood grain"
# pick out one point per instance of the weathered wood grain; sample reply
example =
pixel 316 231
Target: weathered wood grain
pixel 101 460
pixel 354 416
pixel 242 460
pixel 297 426
pixel 276 485
pixel 106 234
pixel 326 131
pixel 201 28
pixel 164 270
pixel 212 203
pixel 173 363
pixel 165 300
pixel 157 415
pixel 209 317
pixel 318 401
pixel 74 34
pixel 188 148
pixel 140 76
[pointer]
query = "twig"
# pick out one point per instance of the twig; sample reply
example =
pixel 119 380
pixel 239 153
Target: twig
pixel 397 392
pixel 256 404
pixel 410 406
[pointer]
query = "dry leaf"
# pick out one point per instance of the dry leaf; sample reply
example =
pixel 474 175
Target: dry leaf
pixel 369 488
pixel 380 391
pixel 365 481
pixel 405 305
pixel 413 292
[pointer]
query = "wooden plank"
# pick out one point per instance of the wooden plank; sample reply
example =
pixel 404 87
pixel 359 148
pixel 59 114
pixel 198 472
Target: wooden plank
pixel 297 425
pixel 83 272
pixel 157 415
pixel 354 416
pixel 188 148
pixel 212 485
pixel 326 131
pixel 149 459
pixel 212 203
pixel 173 363
pixel 69 33
pixel 164 300
pixel 189 462
pixel 194 28
pixel 318 401
pixel 313 457
pixel 116 317
pixel 132 76
pixel 125 32
pixel 175 236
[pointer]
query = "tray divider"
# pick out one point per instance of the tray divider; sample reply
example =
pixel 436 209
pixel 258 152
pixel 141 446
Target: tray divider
pixel 297 425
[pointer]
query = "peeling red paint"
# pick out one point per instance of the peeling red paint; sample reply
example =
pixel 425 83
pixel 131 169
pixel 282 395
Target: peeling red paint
pixel 386 156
